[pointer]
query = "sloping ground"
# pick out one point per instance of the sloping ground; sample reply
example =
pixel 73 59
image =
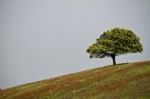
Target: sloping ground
pixel 125 81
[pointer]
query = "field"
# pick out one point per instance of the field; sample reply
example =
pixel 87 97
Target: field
pixel 123 81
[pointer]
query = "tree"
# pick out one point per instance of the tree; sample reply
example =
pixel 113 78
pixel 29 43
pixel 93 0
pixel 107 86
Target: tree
pixel 115 42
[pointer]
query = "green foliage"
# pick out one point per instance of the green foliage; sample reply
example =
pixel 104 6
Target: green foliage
pixel 115 42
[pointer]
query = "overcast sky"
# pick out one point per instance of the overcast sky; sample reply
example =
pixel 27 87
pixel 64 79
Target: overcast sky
pixel 40 39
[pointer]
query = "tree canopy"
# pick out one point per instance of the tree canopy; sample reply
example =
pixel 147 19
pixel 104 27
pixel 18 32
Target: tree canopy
pixel 115 42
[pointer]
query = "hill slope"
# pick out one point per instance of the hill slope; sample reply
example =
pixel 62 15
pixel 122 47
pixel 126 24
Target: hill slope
pixel 125 81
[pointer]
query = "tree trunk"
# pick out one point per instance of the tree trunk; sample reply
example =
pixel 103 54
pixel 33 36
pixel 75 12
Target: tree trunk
pixel 114 59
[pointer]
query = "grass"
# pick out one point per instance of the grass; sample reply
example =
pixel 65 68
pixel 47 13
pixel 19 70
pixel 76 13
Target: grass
pixel 123 81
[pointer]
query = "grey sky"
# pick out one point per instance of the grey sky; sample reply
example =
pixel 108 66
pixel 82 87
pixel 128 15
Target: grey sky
pixel 40 39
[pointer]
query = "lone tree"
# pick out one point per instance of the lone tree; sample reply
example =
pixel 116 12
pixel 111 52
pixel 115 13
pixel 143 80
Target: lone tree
pixel 115 42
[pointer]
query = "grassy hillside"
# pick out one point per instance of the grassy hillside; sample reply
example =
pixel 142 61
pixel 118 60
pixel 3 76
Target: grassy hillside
pixel 125 81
